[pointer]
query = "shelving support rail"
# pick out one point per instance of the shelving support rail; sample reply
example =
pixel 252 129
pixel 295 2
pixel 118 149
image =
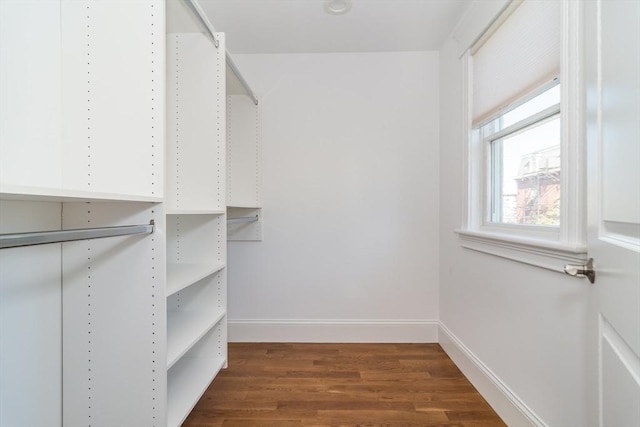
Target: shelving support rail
pixel 58 236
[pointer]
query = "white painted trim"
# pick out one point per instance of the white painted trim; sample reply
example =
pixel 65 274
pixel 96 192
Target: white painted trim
pixel 505 402
pixel 317 330
pixel 573 156
pixel 549 249
pixel 537 252
pixel 476 20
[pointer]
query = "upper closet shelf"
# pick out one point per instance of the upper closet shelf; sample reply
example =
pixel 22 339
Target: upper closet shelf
pixel 44 194
pixel 187 16
pixel 195 211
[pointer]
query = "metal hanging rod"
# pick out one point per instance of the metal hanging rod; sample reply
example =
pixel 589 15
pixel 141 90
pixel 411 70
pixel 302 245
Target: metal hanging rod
pixel 58 236
pixel 195 7
pixel 241 79
pixel 242 219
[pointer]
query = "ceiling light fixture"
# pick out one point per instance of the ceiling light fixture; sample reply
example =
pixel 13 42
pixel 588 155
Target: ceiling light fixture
pixel 337 7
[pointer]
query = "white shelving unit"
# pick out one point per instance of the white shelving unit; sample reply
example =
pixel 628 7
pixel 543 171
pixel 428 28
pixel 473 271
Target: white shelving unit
pixel 82 324
pixel 189 379
pixel 113 319
pixel 83 105
pixel 195 122
pixel 244 160
pixel 186 328
pixel 196 210
pixel 179 276
pixel 122 331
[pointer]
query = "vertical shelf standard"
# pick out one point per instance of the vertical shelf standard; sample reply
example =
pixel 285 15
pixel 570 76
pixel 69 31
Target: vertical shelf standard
pixel 113 312
pixel 195 124
pixel 196 222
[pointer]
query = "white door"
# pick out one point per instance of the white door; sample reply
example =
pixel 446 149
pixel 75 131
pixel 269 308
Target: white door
pixel 613 153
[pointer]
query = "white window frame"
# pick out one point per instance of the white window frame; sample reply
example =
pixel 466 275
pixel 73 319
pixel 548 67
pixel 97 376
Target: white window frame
pixel 538 118
pixel 545 247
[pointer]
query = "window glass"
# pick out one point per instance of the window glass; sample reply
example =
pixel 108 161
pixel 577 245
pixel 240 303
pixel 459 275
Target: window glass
pixel 525 175
pixel 546 99
pixel 523 178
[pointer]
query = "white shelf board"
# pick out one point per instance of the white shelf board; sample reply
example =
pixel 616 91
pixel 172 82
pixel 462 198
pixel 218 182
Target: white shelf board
pixel 45 194
pixel 195 212
pixel 185 328
pixel 244 206
pixel 179 276
pixel 187 381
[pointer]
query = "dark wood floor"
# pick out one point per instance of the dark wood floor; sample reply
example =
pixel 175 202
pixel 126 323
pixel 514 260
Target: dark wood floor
pixel 285 385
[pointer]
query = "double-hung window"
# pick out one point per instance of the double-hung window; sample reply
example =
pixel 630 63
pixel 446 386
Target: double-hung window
pixel 525 198
pixel 522 149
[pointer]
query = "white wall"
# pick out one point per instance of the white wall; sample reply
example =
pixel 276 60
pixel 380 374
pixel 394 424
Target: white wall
pixel 517 331
pixel 350 191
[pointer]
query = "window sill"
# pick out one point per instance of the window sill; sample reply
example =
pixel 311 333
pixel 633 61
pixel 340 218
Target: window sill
pixel 540 253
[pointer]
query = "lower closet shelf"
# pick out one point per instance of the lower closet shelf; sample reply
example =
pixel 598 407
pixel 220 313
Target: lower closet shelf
pixel 185 328
pixel 187 381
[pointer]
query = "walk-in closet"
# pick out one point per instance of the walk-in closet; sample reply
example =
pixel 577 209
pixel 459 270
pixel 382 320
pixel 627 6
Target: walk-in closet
pixel 319 212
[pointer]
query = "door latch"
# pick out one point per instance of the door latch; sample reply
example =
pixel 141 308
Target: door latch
pixel 585 270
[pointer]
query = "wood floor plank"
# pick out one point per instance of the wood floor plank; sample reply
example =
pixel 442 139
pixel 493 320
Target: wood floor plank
pixel 305 385
pixel 269 423
pixel 346 405
pixel 324 394
pixel 381 417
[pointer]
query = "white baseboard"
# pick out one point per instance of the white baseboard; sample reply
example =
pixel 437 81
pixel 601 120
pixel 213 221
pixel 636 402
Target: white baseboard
pixel 510 407
pixel 345 331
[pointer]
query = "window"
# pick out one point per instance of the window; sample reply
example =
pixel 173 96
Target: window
pixel 522 146
pixel 525 192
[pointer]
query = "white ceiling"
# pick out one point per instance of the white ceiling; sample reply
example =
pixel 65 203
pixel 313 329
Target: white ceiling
pixel 298 26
